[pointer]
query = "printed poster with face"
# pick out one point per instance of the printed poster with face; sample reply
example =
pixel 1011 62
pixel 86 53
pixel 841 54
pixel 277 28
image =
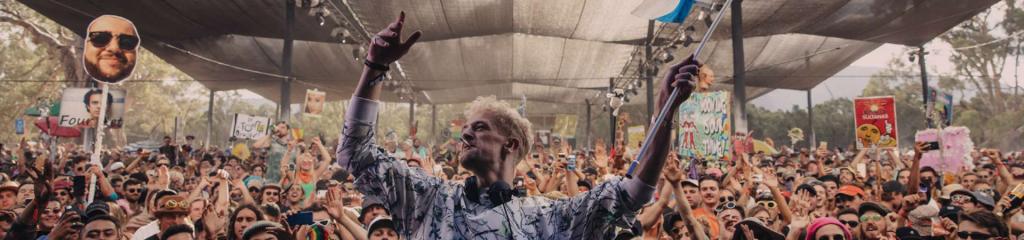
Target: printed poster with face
pixel 940 108
pixel 875 122
pixel 704 126
pixel 250 127
pixel 110 48
pixel 314 104
pixel 80 107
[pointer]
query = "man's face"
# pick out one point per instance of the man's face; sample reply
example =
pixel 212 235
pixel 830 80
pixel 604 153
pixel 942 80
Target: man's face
pixel 63 195
pixel 482 144
pixel 110 49
pixel 100 230
pixel 984 175
pixel 928 178
pixel 692 195
pixel 79 169
pixel 709 192
pixel 850 220
pixel 373 213
pixel 971 228
pixel 170 219
pixel 963 201
pixel 873 225
pixel 5 227
pixel 679 230
pixel 383 234
pixel 95 102
pixel 968 181
pixel 281 129
pixel 132 192
pixel 271 195
pixel 26 192
pixel 8 199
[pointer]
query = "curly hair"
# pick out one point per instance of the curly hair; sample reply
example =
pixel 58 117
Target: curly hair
pixel 507 121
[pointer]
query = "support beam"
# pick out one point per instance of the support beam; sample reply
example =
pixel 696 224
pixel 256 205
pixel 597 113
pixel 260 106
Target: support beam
pixel 588 140
pixel 648 75
pixel 285 103
pixel 412 117
pixel 812 143
pixel 739 88
pixel 611 117
pixel 433 122
pixel 924 76
pixel 209 118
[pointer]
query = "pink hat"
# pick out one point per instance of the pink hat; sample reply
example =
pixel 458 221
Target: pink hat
pixel 812 228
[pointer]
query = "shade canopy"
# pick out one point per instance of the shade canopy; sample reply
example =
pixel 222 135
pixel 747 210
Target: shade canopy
pixel 554 52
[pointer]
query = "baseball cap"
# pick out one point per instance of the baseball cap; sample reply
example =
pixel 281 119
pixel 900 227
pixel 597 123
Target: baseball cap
pixel 872 207
pixel 378 223
pixel 851 190
pixel 115 166
pixel 907 233
pixel 977 197
pixel 172 204
pixel 690 182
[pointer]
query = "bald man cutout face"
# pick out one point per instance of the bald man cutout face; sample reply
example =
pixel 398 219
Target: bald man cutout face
pixel 110 48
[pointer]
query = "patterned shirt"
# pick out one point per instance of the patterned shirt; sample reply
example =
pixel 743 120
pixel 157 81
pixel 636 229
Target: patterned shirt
pixel 427 207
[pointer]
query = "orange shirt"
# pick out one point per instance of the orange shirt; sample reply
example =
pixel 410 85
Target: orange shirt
pixel 707 216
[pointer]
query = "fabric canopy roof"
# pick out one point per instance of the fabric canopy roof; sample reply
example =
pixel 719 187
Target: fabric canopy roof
pixel 559 52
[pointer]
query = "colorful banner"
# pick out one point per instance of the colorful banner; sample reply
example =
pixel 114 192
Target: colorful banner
pixel 940 108
pixel 314 104
pixel 875 122
pixel 565 125
pixel 704 126
pixel 249 127
pixel 80 107
pixel 955 148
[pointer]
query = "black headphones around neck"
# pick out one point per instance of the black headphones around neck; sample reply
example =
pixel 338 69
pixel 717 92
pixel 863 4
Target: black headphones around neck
pixel 499 192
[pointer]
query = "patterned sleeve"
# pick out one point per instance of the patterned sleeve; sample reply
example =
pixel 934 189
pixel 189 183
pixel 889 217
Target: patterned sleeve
pixel 590 215
pixel 405 191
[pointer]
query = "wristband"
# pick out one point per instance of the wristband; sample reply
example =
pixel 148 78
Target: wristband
pixel 376 66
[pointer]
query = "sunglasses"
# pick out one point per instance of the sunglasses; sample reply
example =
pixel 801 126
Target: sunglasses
pixel 870 218
pixel 960 198
pixel 272 193
pixel 102 39
pixel 767 204
pixel 324 222
pixel 134 190
pixel 852 224
pixel 727 199
pixel 832 237
pixel 973 235
pixel 725 206
pixel 61 193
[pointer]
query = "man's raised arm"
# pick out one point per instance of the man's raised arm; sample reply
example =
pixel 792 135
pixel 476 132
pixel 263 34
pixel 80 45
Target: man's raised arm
pixel 385 48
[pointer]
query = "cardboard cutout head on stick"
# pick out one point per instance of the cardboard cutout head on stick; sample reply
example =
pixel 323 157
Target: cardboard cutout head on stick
pixel 111 43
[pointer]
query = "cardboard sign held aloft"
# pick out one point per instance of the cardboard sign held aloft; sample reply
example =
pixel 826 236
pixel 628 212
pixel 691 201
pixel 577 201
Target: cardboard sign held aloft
pixel 875 122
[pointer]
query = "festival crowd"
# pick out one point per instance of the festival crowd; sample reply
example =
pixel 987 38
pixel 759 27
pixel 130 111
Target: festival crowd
pixel 494 180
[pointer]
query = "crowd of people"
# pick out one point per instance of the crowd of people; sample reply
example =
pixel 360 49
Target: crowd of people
pixel 208 193
pixel 496 180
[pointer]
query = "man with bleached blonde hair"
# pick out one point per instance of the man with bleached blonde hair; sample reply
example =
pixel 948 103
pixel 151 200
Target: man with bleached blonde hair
pixel 494 139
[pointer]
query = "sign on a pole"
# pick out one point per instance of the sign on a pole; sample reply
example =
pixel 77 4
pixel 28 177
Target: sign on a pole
pixel 704 125
pixel 249 127
pixel 81 107
pixel 875 122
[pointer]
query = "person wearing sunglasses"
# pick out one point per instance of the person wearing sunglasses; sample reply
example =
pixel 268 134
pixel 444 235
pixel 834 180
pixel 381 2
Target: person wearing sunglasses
pixel 981 225
pixel 873 223
pixel 971 201
pixel 110 48
pixel 728 213
pixel 850 218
